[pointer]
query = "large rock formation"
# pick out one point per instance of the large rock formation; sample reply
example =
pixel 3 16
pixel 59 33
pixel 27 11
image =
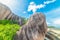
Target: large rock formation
pixel 34 29
pixel 6 13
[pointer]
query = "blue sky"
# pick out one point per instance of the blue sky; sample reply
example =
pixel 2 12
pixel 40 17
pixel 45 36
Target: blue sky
pixel 25 8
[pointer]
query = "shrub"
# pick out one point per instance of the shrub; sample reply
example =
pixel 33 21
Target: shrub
pixel 8 31
pixel 7 22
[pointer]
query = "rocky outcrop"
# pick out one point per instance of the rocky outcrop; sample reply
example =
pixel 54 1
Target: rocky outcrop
pixel 34 29
pixel 6 13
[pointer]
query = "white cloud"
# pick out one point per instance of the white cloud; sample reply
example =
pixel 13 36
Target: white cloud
pixel 56 21
pixel 12 4
pixel 48 23
pixel 53 17
pixel 40 6
pixel 33 7
pixel 9 2
pixel 48 2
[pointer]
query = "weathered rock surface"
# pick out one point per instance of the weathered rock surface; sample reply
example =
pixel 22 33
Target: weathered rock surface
pixel 6 13
pixel 34 29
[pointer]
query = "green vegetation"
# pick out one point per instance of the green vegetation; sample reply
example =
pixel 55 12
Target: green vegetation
pixel 8 29
pixel 51 27
pixel 24 21
pixel 7 22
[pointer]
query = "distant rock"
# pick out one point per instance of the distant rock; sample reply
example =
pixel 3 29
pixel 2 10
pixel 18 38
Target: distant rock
pixel 6 13
pixel 34 29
